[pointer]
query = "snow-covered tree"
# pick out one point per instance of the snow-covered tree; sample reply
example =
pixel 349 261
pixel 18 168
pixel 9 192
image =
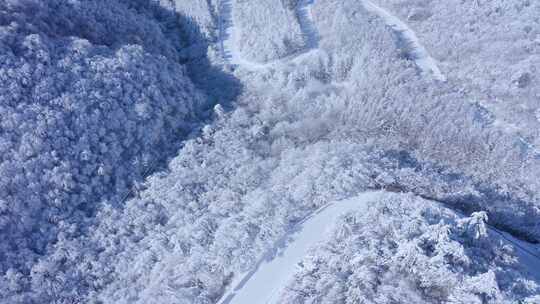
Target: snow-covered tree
pixel 92 96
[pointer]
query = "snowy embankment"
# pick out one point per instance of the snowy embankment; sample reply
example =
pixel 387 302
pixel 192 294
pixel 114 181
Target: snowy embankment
pixel 265 283
pixel 420 55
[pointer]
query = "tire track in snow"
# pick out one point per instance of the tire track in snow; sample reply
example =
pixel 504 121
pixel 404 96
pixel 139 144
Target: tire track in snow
pixel 228 42
pixel 420 55
pixel 274 270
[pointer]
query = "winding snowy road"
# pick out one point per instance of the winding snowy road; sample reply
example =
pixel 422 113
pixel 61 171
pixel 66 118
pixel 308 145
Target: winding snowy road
pixel 228 41
pixel 264 283
pixel 420 55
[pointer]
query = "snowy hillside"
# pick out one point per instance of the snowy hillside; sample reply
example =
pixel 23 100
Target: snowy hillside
pixel 269 151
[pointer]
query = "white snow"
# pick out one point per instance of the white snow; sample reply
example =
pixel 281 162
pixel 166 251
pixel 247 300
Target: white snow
pixel 422 58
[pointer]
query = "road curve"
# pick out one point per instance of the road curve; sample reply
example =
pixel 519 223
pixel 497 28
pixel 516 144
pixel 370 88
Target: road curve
pixel 267 279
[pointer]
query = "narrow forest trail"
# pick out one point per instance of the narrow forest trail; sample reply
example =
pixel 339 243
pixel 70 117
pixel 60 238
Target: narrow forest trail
pixel 276 268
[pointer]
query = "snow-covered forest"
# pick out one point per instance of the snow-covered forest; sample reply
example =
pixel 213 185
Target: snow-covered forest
pixel 166 151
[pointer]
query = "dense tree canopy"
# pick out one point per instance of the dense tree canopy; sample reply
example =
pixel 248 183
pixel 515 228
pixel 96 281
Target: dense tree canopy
pixel 92 95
